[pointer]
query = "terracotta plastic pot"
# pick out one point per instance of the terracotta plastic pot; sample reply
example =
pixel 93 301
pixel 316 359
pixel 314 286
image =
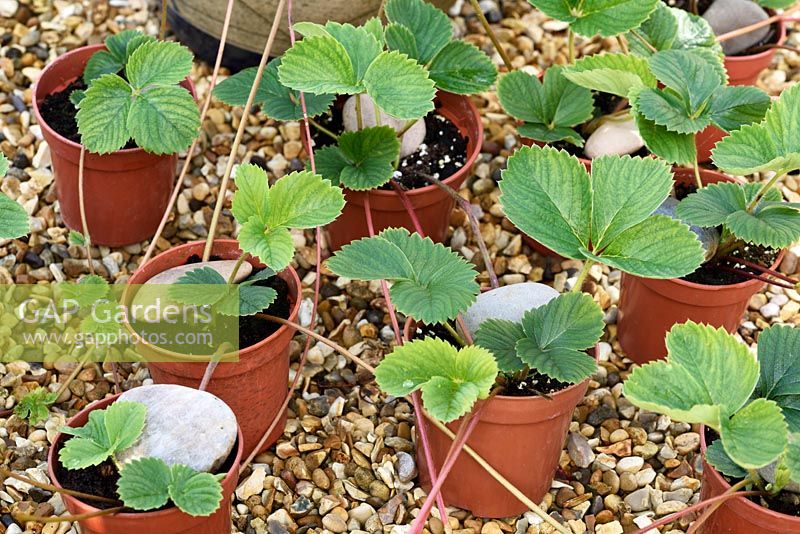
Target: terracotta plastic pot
pixel 705 142
pixel 256 385
pixel 169 521
pixel 126 192
pixel 740 515
pixel 431 204
pixel 745 70
pixel 521 437
pixel 648 308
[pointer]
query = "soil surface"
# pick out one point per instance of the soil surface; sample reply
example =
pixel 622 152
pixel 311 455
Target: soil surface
pixel 785 502
pixel 533 385
pixel 703 5
pixel 442 153
pixel 253 330
pixel 60 114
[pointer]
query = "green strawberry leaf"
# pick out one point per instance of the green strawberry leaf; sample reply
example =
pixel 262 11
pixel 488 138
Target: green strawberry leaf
pixel 319 65
pixel 363 160
pixel 360 44
pixel 733 107
pixel 400 86
pixel 773 224
pixel 771 145
pixel 462 69
pixel 375 27
pixel 792 457
pixel 616 74
pixel 276 101
pixel 103 115
pixel 119 45
pixel 164 119
pixel 14 220
pixel 756 435
pixel 272 246
pixel 144 484
pixel 707 376
pixel 198 287
pixel 245 300
pixel 101 63
pixel 432 285
pixel 670 28
pixel 400 38
pixel 197 494
pixel 592 17
pixel 674 147
pixel 89 290
pixel 107 432
pixel 719 460
pixel 76 238
pixel 557 333
pixel 549 195
pixel 158 63
pixel 550 108
pixel 252 193
pixel 500 337
pixel 432 28
pixel 451 380
pixel 302 200
pixel 779 360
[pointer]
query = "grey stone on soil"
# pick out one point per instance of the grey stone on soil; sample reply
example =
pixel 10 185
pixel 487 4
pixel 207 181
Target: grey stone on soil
pixel 709 237
pixel 580 452
pixel 508 302
pixel 412 139
pixel 183 426
pixel 406 467
pixel 614 137
pixel 727 15
pixel 639 500
pixel 223 267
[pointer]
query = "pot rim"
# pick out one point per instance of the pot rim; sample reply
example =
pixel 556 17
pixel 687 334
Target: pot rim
pixel 66 58
pixel 184 358
pixel 763 55
pixel 51 459
pixel 747 503
pixel 471 159
pixel 708 287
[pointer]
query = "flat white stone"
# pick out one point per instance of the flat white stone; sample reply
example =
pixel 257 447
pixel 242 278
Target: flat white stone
pixel 223 267
pixel 614 137
pixel 183 426
pixel 411 139
pixel 508 302
pixel 727 15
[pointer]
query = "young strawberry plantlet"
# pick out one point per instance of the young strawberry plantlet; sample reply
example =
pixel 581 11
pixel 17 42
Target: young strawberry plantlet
pixel 545 345
pixel 748 407
pixel 381 128
pixel 607 18
pixel 549 196
pixel 753 213
pixel 695 96
pixel 147 104
pixel 298 200
pixel 14 221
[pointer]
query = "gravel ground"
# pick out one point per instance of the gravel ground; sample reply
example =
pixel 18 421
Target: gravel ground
pixel 345 462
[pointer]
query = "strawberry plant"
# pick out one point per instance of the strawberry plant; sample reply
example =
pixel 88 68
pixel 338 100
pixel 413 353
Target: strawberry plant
pixel 398 67
pixel 133 93
pixel 35 406
pixel 13 218
pixel 550 196
pixel 550 109
pixel 670 28
pixel 674 95
pixel 146 483
pixel 711 378
pixel 298 200
pixel 753 213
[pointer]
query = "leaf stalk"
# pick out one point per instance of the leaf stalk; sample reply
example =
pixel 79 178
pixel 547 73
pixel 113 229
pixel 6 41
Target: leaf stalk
pixel 492 36
pixel 587 265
